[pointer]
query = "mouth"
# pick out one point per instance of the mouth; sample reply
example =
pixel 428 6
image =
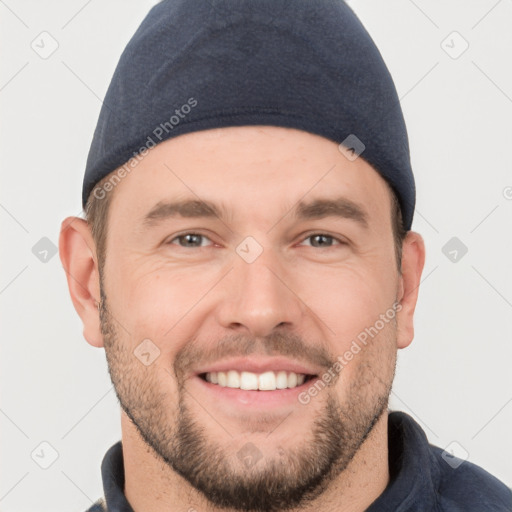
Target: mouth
pixel 235 391
pixel 254 384
pixel 249 381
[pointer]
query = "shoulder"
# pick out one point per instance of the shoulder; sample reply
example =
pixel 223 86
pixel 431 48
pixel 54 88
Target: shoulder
pixel 428 478
pixel 464 486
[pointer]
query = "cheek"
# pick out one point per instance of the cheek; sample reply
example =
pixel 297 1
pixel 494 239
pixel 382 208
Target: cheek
pixel 367 367
pixel 350 302
pixel 347 300
pixel 155 303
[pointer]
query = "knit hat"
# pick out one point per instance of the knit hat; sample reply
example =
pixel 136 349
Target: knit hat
pixel 201 64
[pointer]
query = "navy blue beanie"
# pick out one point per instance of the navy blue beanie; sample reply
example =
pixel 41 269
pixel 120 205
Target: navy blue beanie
pixel 306 64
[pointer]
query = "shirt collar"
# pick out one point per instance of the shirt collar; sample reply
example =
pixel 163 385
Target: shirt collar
pixel 414 472
pixel 112 474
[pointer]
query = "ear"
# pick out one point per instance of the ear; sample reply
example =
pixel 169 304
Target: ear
pixel 413 260
pixel 78 256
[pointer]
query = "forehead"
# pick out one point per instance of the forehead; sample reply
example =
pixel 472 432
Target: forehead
pixel 266 169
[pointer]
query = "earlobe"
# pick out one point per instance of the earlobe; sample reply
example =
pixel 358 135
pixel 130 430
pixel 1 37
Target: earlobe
pixel 78 256
pixel 413 261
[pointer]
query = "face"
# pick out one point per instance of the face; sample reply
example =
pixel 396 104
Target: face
pixel 251 249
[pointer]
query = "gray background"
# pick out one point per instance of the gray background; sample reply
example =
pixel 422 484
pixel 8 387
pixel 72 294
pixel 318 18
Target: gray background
pixel 454 379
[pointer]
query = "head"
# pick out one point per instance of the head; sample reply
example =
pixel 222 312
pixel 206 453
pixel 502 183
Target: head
pixel 286 250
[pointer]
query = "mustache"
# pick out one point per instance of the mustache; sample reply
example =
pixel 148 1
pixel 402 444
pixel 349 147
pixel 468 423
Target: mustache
pixel 198 353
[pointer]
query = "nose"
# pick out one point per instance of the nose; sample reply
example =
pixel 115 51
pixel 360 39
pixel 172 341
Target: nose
pixel 259 297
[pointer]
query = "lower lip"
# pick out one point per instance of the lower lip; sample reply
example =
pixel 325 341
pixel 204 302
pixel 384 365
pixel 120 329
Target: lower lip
pixel 254 398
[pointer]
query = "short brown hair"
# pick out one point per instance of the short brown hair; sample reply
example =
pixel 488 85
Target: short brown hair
pixel 96 212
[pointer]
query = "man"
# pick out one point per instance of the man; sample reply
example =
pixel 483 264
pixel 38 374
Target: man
pixel 249 266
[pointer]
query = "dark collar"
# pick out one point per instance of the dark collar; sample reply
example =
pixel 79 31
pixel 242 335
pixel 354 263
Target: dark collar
pixel 112 474
pixel 414 472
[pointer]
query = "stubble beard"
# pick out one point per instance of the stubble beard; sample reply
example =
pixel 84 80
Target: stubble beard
pixel 288 480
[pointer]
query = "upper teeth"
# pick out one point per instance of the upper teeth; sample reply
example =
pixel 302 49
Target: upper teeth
pixel 267 381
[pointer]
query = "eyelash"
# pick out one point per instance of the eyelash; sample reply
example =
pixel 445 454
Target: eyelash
pixel 311 235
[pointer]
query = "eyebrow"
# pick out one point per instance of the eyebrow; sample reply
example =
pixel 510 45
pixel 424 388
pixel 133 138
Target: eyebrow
pixel 318 209
pixel 189 208
pixel 339 207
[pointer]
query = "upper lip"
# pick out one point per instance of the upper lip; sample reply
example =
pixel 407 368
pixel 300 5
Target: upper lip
pixel 258 365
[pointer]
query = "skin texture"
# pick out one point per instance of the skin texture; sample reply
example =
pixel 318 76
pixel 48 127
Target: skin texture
pixel 203 302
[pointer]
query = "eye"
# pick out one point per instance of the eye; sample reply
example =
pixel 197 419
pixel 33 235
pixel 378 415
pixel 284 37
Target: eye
pixel 322 240
pixel 194 240
pixel 189 240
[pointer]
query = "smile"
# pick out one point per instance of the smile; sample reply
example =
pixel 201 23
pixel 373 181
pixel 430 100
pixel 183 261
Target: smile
pixel 267 381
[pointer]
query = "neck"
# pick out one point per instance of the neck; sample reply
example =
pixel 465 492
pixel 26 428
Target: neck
pixel 152 485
